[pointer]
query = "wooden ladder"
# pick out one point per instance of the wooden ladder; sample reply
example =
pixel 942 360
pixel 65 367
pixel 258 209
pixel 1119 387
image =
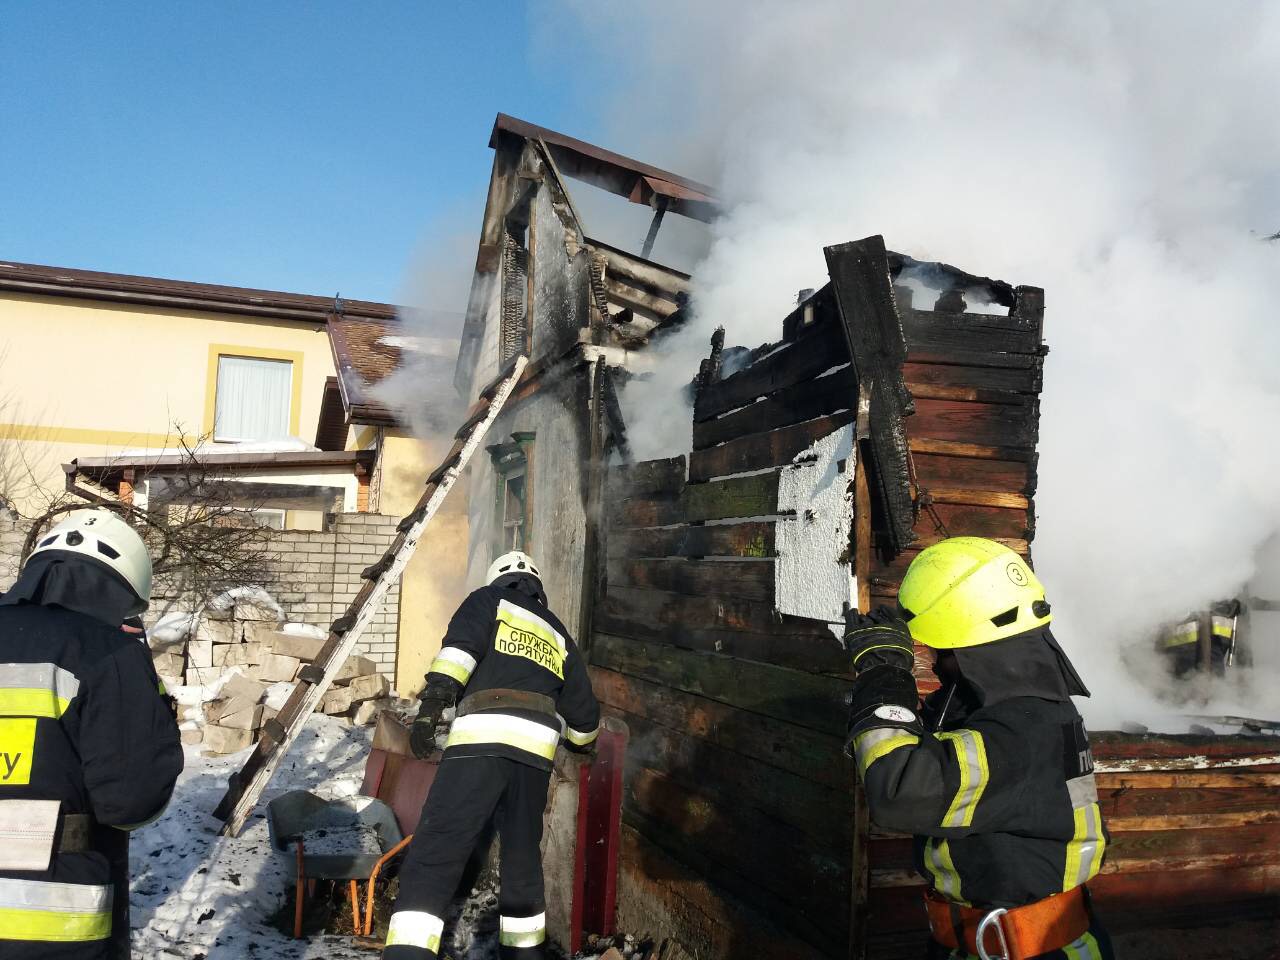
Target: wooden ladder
pixel 245 787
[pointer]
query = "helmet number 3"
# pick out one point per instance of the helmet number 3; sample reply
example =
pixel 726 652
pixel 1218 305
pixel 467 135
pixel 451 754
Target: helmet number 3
pixel 1017 575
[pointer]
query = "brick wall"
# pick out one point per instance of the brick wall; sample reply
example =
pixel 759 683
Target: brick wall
pixel 314 576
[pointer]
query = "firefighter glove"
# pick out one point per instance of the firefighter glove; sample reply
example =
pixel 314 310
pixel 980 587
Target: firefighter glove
pixel 878 638
pixel 422 738
pixel 883 696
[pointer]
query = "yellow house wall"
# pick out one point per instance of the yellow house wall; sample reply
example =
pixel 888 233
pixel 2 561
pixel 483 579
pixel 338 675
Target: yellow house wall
pixel 434 583
pixel 82 378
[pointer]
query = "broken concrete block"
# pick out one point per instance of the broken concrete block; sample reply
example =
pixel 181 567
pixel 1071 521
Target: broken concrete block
pixel 170 645
pixel 240 687
pixel 275 668
pixel 199 676
pixel 168 664
pixel 336 700
pixel 248 719
pixel 368 711
pixel 269 713
pixel 215 710
pixel 217 631
pixel 370 687
pixel 355 667
pixel 236 654
pixel 259 631
pixel 192 737
pixel 200 653
pixel 292 645
pixel 252 610
pixel 219 740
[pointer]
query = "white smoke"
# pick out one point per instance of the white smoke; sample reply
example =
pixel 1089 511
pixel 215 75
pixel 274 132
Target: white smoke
pixel 1123 156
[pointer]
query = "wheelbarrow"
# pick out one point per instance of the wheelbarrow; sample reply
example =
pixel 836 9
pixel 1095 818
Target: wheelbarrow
pixel 298 812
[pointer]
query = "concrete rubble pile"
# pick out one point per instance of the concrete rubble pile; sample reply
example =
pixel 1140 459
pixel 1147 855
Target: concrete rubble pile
pixel 237 654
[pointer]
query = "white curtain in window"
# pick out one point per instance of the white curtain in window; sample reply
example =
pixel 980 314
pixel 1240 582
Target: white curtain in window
pixel 252 402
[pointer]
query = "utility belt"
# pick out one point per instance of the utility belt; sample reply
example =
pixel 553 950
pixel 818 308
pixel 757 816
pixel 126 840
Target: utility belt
pixel 1018 933
pixel 32 831
pixel 502 699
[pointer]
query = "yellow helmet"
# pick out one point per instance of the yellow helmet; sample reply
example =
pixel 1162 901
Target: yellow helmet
pixel 967 591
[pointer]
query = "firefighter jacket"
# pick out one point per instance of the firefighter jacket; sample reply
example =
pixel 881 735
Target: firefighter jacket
pixel 999 793
pixel 501 642
pixel 85 728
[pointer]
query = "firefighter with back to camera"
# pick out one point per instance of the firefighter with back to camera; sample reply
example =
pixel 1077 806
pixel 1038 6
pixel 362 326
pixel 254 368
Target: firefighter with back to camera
pixel 513 671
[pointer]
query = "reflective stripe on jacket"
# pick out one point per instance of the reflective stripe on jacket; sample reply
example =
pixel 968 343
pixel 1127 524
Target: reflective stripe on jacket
pixel 82 723
pixel 501 639
pixel 1003 805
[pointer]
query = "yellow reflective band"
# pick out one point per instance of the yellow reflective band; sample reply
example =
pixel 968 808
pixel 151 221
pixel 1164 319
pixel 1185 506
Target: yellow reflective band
pixel 17 746
pixel 415 928
pixel 522 931
pixel 1222 627
pixel 36 690
pixel 161 689
pixel 500 728
pixel 937 860
pixel 1085 848
pixel 580 739
pixel 523 634
pixel 454 663
pixel 1086 948
pixel 1181 634
pixel 32 703
pixel 971 758
pixel 870 745
pixel 48 926
pixel 39 910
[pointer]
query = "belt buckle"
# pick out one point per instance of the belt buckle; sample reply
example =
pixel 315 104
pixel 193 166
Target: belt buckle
pixel 991 920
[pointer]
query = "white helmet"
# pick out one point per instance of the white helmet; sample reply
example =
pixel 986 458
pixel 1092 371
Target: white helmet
pixel 103 536
pixel 513 562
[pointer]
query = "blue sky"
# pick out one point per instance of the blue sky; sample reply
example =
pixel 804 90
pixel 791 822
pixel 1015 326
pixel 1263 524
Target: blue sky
pixel 314 147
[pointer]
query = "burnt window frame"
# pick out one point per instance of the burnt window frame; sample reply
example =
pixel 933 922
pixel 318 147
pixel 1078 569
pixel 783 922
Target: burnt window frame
pixel 511 460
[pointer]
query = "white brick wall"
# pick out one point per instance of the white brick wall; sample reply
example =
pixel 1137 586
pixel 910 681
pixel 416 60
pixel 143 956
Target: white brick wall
pixel 314 577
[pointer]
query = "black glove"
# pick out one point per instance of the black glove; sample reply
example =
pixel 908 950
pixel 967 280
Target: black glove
pixel 883 696
pixel 422 737
pixel 880 637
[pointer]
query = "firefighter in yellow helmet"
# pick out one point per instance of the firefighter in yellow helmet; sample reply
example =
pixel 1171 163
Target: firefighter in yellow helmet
pixel 992 774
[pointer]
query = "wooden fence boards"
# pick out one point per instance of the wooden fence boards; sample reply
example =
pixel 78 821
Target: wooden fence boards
pixel 792 696
pixel 820 813
pixel 759 451
pixel 963 421
pixel 752 496
pixel 794 404
pixel 731 628
pixel 806 753
pixel 738 579
pixel 751 539
pixel 813 352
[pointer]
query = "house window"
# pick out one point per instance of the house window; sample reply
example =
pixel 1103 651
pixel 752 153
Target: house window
pixel 252 399
pixel 514 333
pixel 513 505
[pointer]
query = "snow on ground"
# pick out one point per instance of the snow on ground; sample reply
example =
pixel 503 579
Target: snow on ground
pixel 197 895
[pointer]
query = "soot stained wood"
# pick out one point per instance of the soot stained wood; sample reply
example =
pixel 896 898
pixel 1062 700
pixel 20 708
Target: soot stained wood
pixel 751 539
pixel 1012 425
pixel 753 496
pixel 794 404
pixel 813 352
pixel 808 754
pixel 744 579
pixel 805 699
pixel 760 451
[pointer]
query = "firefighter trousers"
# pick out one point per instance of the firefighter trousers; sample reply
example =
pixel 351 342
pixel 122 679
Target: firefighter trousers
pixel 466 794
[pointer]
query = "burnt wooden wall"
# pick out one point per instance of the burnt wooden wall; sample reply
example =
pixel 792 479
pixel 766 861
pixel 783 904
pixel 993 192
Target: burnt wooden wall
pixel 738 713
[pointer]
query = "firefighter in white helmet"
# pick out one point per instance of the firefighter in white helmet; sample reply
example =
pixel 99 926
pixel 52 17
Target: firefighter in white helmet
pixel 89 747
pixel 513 671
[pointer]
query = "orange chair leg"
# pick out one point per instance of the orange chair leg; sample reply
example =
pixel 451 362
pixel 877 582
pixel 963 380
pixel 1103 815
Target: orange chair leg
pixel 377 868
pixel 299 896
